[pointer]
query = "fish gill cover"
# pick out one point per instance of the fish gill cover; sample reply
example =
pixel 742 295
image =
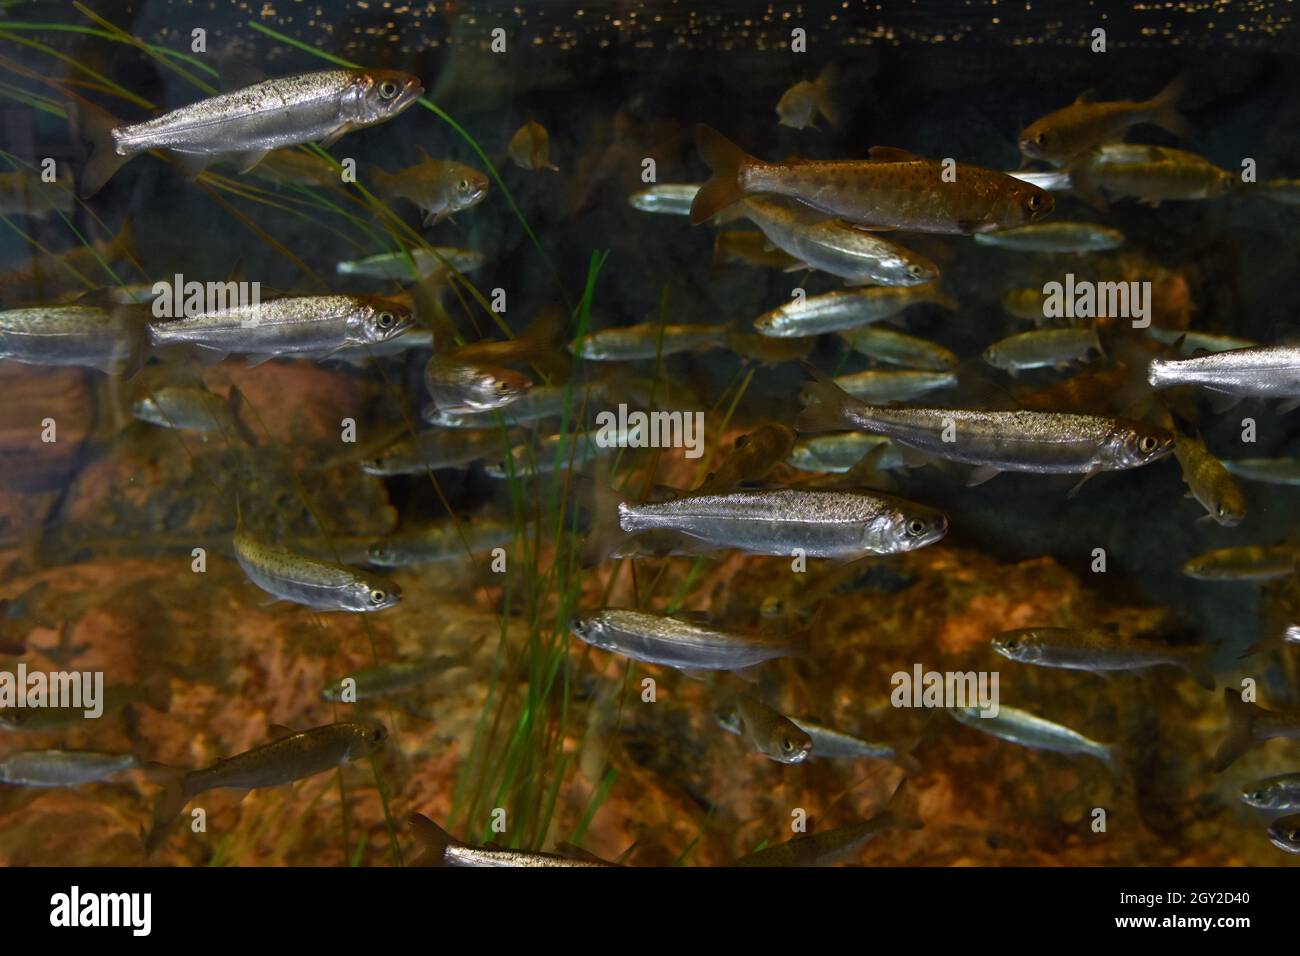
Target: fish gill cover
pixel 575 434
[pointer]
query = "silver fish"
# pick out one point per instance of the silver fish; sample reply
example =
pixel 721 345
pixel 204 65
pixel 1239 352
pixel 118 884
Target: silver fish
pixel 539 402
pixel 1285 833
pixel 1100 649
pixel 629 343
pixel 1272 471
pixel 672 199
pixel 78 335
pixel 1265 371
pixel 437 448
pixel 1038 442
pixel 1043 348
pixel 839 452
pixel 827 743
pixel 442 849
pixel 1027 730
pixel 1246 563
pixel 818 523
pixel 845 309
pixel 250 122
pixel 439 542
pixel 1065 237
pixel 834 246
pixel 312 325
pixel 898 348
pixel 458 386
pixel 310 581
pixel 1273 793
pixel 772 734
pixel 419 264
pixel 1193 342
pixel 894 385
pixel 573 450
pixel 62 768
pixel 674 642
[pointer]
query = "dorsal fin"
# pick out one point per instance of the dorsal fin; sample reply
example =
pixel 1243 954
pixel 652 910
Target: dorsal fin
pixel 1087 96
pixel 280 731
pixel 891 154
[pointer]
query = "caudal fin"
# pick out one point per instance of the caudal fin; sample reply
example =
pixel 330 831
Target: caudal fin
pixel 95 125
pixel 824 87
pixel 1163 108
pixel 433 840
pixel 902 808
pixel 1241 730
pixel 167 807
pixel 1201 666
pixel 726 160
pixel 828 405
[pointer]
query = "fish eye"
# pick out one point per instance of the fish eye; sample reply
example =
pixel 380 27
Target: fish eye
pixel 464 185
pixel 788 745
pixel 388 89
pixel 503 387
pixel 1034 202
pixel 378 596
pixel 915 270
pixel 1147 444
pixel 916 527
pixel 385 320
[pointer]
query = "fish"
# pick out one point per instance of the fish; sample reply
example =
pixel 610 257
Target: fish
pixel 1101 649
pixel 530 147
pixel 772 734
pixel 839 452
pixel 249 122
pixel 153 692
pixel 1273 793
pixel 1059 237
pixel 1087 122
pixel 440 848
pixel 1246 563
pixel 1249 725
pixel 894 385
pixel 1029 730
pixel 1045 443
pixel 752 458
pixel 899 348
pixel 846 309
pixel 314 326
pixel 318 584
pixel 678 643
pixel 629 343
pixel 81 265
pixel 445 541
pixel 26 193
pixel 835 845
pixel 437 448
pixel 768 351
pixel 817 523
pixel 893 189
pixel 62 768
pixel 393 677
pixel 827 743
pixel 800 104
pixel 292 167
pixel 1026 304
pixel 751 248
pixel 1209 482
pixel 1191 342
pixel 412 340
pixel 1272 471
pixel 538 403
pixel 814 240
pixel 458 386
pixel 554 452
pixel 112 340
pixel 1285 833
pixel 1265 371
pixel 1149 174
pixel 414 264
pixel 193 408
pixel 290 757
pixel 439 187
pixel 671 199
pixel 1044 348
pixel 1286 191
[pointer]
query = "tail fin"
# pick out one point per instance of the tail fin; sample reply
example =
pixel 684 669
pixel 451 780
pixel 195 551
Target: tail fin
pixel 432 838
pixel 1241 730
pixel 825 104
pixel 726 160
pixel 122 246
pixel 96 125
pixel 171 801
pixel 1201 666
pixel 606 531
pixel 1162 109
pixel 235 400
pixel 829 405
